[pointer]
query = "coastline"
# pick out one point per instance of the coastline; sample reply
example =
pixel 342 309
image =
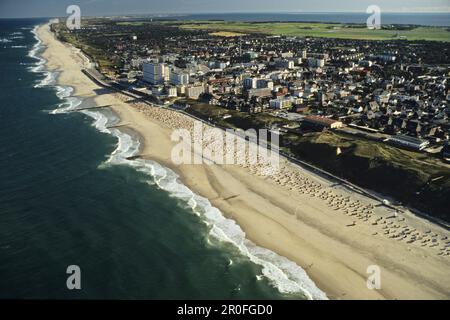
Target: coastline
pixel 131 143
pixel 296 226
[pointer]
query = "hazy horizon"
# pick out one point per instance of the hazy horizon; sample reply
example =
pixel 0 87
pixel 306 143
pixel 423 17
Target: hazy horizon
pixel 57 8
pixel 163 14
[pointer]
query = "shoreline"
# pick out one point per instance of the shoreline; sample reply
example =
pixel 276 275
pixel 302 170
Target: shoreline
pixel 305 230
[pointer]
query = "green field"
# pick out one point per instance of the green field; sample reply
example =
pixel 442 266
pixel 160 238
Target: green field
pixel 132 23
pixel 323 30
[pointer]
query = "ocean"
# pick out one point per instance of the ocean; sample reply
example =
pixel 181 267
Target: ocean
pixel 69 196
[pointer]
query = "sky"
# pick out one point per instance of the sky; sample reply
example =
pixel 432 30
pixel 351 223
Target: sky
pixel 57 8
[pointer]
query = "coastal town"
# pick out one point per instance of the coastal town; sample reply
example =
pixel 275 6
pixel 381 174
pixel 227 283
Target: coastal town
pixel 396 92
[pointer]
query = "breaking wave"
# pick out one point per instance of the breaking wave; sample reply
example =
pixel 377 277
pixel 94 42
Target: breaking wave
pixel 39 66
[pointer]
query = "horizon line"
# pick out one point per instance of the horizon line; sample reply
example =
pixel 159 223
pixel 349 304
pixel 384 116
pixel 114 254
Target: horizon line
pixel 232 12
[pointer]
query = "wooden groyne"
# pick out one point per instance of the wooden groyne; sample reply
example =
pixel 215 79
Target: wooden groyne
pixel 118 126
pixel 134 157
pixel 91 108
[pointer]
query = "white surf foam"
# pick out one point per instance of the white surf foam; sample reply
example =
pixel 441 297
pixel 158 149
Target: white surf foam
pixel 69 105
pixel 39 65
pixel 11 37
pixel 50 79
pixel 62 92
pixel 37 46
pixel 102 121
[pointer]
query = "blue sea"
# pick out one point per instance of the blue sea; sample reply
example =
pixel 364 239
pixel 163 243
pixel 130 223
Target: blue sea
pixel 68 196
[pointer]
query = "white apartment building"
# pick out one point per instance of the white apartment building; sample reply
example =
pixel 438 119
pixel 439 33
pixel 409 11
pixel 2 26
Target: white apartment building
pixel 179 78
pixel 280 103
pixel 171 91
pixel 155 73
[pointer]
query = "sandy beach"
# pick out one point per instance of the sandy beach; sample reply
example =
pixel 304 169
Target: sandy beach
pixel 334 234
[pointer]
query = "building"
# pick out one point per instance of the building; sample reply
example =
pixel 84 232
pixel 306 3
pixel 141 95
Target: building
pixel 322 122
pixel 156 73
pixel 387 57
pixel 280 103
pixel 218 65
pixel 179 78
pixel 255 83
pixel 137 62
pixel 181 90
pixel 259 92
pixel 287 54
pixel 171 91
pixel 193 92
pixel 285 64
pixel 408 142
pixel 250 83
pixel 316 63
pixel 264 83
pixel 250 55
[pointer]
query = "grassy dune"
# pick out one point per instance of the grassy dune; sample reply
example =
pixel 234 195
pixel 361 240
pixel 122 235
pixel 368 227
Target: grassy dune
pixel 413 178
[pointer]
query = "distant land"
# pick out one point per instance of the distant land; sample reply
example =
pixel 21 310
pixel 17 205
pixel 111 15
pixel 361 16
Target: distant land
pixel 441 19
pixel 436 19
pixel 326 30
pixel 395 26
